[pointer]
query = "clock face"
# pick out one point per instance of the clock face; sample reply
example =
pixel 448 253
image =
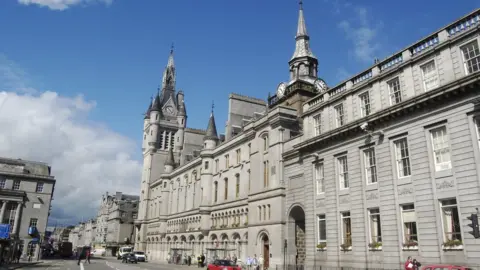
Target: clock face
pixel 320 85
pixel 169 110
pixel 281 89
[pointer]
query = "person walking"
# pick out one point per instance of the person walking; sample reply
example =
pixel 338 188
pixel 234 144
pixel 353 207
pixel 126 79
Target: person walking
pixel 87 256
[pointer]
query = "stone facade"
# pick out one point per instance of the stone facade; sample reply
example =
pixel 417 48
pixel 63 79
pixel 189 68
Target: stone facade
pixel 388 162
pixel 83 234
pixel 221 195
pixel 26 192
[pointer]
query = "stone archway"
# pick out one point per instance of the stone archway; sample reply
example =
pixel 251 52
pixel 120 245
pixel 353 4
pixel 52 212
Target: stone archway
pixel 296 235
pixel 265 250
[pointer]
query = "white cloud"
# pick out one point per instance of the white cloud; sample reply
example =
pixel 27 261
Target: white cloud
pixel 363 35
pixel 61 4
pixel 87 158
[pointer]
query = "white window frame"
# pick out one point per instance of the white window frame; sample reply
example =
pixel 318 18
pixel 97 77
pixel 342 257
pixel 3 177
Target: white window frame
pixel 371 213
pixel 475 60
pixel 238 155
pixel 339 115
pixel 320 218
pixel 346 215
pixel 365 106
pixel 3 183
pixel 405 210
pixel 342 168
pixel 446 204
pixel 443 151
pixel 317 124
pixel 431 76
pixel 217 165
pixel 227 161
pixel 40 186
pixel 369 166
pixel 394 98
pixel 402 158
pixel 320 177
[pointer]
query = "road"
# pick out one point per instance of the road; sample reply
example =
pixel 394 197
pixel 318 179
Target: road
pixel 100 264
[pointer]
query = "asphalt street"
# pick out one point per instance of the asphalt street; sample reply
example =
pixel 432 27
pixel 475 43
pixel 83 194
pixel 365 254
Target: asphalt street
pixel 98 264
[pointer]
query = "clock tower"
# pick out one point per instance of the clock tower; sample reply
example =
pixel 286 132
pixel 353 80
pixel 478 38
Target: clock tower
pixel 303 67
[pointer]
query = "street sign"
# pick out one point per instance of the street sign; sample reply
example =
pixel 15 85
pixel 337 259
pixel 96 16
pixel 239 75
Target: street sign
pixel 4 231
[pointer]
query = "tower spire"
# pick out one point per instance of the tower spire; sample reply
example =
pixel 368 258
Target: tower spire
pixel 170 57
pixel 211 133
pixel 302 45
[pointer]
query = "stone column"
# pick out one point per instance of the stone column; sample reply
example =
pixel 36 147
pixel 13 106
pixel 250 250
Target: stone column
pixel 16 225
pixel 2 212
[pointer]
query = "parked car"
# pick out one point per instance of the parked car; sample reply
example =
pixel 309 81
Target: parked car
pixel 129 258
pixel 140 255
pixel 223 265
pixel 445 267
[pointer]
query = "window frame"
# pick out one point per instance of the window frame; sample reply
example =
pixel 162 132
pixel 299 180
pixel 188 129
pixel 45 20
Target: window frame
pixel 398 149
pixel 339 118
pixel 238 155
pixel 435 75
pixel 343 216
pixel 445 165
pixel 316 167
pixel 443 216
pixel 392 95
pixel 371 213
pixel 40 186
pixel 365 108
pixel 14 186
pixel 369 167
pixel 343 173
pixel 225 189
pixel 237 186
pixel 227 161
pixel 317 124
pixel 215 191
pixel 403 210
pixel 266 174
pixel 464 60
pixel 321 217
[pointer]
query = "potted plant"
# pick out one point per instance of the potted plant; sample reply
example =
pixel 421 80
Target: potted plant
pixel 346 247
pixel 321 246
pixel 410 245
pixel 375 246
pixel 453 244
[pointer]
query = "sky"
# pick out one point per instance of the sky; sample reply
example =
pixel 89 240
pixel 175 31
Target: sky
pixel 76 76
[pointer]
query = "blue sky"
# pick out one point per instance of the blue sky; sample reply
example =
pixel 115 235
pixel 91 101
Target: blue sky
pixel 76 79
pixel 115 54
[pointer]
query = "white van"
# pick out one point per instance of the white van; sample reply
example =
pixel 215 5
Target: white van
pixel 124 250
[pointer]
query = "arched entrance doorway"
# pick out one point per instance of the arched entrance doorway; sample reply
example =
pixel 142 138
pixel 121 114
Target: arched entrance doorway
pixel 296 235
pixel 266 251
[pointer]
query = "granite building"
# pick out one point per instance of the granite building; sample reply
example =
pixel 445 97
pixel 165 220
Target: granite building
pixel 388 163
pixel 26 192
pixel 221 195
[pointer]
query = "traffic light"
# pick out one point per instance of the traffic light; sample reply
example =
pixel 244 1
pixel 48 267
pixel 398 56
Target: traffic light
pixel 476 230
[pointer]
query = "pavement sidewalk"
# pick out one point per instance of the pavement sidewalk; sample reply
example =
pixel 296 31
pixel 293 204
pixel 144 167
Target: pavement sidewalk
pixel 19 265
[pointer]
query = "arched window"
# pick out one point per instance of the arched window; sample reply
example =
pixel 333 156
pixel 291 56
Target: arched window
pixel 237 186
pixel 225 195
pixel 215 195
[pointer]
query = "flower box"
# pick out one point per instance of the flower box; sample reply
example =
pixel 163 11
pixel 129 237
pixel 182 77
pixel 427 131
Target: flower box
pixel 453 245
pixel 345 247
pixel 410 248
pixel 322 247
pixel 375 246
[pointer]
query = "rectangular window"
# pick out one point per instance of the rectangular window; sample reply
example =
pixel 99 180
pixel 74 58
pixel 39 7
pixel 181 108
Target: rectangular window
pixel 322 229
pixel 206 165
pixel 370 165
pixel 319 178
pixel 339 115
pixel 471 57
pixel 402 157
pixel 375 226
pixel 430 75
pixel 365 103
pixel 343 172
pixel 238 154
pixel 39 187
pixel 265 143
pixel 237 186
pixel 441 148
pixel 16 185
pixel 33 222
pixel 216 165
pixel 215 194
pixel 395 91
pixel 259 213
pixel 265 174
pixel 134 215
pixel 451 221
pixel 317 124
pixel 225 191
pixel 227 161
pixel 3 181
pixel 346 230
pixel 409 219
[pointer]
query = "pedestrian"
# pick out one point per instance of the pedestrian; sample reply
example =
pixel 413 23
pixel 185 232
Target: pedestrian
pixel 87 256
pixel 189 259
pixel 81 255
pixel 409 264
pixel 203 260
pixel 18 255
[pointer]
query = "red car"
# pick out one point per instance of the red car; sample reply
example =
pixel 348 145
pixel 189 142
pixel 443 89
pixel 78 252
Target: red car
pixel 223 265
pixel 445 267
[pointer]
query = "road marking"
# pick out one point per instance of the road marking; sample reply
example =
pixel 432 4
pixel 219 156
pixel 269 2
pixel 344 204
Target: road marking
pixel 81 266
pixel 111 266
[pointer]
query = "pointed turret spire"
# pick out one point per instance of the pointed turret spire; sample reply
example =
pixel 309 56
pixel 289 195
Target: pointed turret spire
pixel 171 63
pixel 170 159
pixel 211 133
pixel 302 46
pixel 168 80
pixel 149 110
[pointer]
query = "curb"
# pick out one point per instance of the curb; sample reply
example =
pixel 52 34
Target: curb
pixel 19 266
